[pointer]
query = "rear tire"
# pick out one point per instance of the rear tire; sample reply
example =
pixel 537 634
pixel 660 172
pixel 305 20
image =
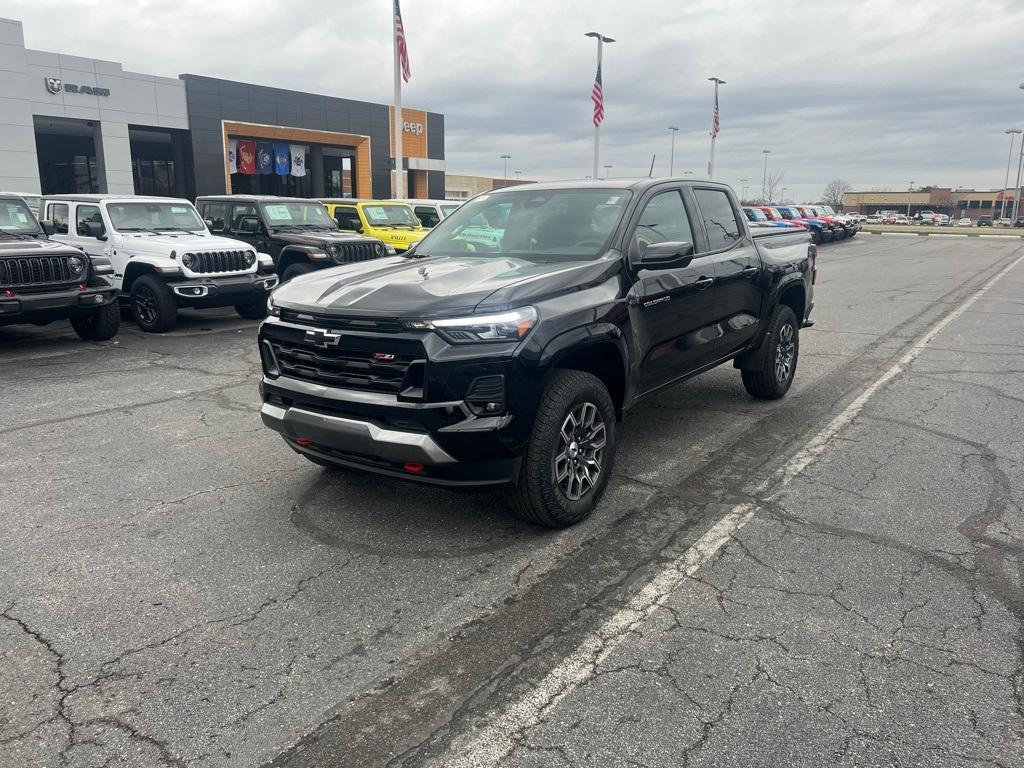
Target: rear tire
pixel 300 268
pixel 255 311
pixel 571 452
pixel 99 325
pixel 775 376
pixel 153 306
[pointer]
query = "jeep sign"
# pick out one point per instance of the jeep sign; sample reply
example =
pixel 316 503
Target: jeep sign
pixel 416 128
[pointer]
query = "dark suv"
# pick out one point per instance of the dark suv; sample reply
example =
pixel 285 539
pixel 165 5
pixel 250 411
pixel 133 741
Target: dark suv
pixel 298 233
pixel 42 280
pixel 985 221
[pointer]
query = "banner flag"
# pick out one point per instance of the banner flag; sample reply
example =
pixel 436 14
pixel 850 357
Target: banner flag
pixel 282 159
pixel 232 155
pixel 264 158
pixel 298 153
pixel 247 157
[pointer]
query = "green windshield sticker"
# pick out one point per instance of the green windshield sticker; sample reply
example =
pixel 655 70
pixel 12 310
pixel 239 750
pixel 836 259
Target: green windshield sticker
pixel 179 209
pixel 375 213
pixel 278 212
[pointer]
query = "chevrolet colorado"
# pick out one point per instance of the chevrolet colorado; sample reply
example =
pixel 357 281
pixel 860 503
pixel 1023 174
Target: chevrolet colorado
pixel 508 361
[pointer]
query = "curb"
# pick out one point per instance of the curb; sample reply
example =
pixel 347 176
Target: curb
pixel 940 234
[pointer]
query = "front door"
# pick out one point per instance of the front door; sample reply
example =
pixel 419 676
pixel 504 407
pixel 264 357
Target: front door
pixel 737 269
pixel 671 307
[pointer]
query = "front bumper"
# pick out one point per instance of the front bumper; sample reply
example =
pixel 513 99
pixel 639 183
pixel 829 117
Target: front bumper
pixel 435 443
pixel 47 306
pixel 222 291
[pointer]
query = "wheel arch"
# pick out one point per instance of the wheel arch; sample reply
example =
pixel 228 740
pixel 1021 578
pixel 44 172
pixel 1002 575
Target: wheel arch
pixel 601 352
pixel 133 272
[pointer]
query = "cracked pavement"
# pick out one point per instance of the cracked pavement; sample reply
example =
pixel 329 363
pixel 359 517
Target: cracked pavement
pixel 177 588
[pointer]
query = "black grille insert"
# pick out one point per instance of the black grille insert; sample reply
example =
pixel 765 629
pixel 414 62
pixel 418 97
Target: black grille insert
pixel 352 252
pixel 344 368
pixel 36 271
pixel 218 261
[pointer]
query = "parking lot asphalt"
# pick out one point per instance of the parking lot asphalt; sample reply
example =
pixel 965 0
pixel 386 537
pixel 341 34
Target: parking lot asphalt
pixel 830 579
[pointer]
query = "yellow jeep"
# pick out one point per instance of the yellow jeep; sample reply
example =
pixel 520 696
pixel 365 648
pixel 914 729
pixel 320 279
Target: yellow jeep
pixel 388 220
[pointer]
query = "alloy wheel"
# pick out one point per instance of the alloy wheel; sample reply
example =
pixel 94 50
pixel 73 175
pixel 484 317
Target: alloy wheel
pixel 580 451
pixel 785 353
pixel 145 305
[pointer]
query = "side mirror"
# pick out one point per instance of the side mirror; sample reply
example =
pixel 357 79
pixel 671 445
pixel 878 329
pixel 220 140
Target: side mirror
pixel 47 226
pixel 249 225
pixel 96 229
pixel 670 254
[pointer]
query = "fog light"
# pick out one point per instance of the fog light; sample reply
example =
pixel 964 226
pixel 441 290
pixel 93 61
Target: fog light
pixel 98 298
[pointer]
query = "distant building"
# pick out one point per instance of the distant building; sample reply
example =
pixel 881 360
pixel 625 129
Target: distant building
pixel 957 203
pixel 459 187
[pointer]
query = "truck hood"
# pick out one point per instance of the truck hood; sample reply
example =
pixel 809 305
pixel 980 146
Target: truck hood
pixel 15 247
pixel 141 243
pixel 438 286
pixel 319 237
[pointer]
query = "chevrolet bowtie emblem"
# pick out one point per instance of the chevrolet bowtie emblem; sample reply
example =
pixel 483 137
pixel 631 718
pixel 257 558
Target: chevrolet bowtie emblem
pixel 323 338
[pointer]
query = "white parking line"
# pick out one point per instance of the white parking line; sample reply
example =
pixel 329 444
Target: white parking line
pixel 500 736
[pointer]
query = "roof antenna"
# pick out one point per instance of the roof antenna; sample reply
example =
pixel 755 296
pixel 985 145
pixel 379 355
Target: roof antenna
pixel 650 173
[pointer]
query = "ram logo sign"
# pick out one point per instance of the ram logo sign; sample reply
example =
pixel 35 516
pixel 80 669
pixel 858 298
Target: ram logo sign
pixel 55 85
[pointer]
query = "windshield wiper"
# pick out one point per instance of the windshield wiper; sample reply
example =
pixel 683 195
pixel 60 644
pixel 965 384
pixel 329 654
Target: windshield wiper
pixel 176 229
pixel 137 229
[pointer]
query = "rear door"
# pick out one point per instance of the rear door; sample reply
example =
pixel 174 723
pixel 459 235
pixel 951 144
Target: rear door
pixel 737 269
pixel 672 307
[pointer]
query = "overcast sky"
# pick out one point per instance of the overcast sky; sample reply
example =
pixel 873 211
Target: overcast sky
pixel 873 92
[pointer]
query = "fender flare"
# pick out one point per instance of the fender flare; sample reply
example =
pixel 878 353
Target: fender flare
pixel 296 252
pixel 575 339
pixel 753 359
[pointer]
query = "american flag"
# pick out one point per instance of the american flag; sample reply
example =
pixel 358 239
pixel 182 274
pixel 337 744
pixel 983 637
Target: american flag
pixel 597 96
pixel 715 123
pixel 403 50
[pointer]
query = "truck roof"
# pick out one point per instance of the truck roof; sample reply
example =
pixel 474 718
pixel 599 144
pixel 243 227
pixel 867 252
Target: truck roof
pixel 257 198
pixel 633 184
pixel 102 198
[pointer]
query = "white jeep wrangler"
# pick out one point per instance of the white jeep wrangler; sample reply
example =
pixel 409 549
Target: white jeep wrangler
pixel 163 255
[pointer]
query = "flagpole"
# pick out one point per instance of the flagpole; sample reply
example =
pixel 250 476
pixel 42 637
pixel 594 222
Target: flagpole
pixel 398 187
pixel 714 133
pixel 601 40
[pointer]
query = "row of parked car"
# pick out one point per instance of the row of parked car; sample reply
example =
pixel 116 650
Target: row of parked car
pixel 88 257
pixel 931 218
pixel 823 223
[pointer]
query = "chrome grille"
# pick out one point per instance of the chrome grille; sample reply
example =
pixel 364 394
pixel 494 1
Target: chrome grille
pixel 218 261
pixel 35 271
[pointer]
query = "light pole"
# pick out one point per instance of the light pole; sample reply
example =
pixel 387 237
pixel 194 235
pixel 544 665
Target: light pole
pixel 598 82
pixel 519 175
pixel 782 195
pixel 506 158
pixel 672 153
pixel 764 178
pixel 908 199
pixel 743 194
pixel 1006 182
pixel 1016 191
pixel 714 127
pixel 608 170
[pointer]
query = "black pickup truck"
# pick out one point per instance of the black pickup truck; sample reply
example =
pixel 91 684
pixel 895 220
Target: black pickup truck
pixel 298 233
pixel 503 348
pixel 42 280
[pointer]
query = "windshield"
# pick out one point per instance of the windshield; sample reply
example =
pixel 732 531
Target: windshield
pixel 390 215
pixel 782 213
pixel 297 214
pixel 17 218
pixel 755 215
pixel 560 222
pixel 136 217
pixel 448 210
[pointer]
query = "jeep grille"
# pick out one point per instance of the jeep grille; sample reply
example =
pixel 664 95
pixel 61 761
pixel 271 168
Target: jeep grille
pixel 36 271
pixel 218 261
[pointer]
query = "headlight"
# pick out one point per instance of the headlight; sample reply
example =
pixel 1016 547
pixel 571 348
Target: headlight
pixel 331 250
pixel 271 309
pixel 250 258
pixel 77 265
pixel 507 326
pixel 189 259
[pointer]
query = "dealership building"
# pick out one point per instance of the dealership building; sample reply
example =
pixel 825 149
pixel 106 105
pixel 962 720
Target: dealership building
pixel 71 124
pixel 957 203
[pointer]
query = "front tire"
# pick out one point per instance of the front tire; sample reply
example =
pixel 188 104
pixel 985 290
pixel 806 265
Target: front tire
pixel 153 307
pixel 299 268
pixel 257 310
pixel 99 325
pixel 775 376
pixel 571 452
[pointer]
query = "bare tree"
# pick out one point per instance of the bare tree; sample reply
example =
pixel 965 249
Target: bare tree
pixel 834 193
pixel 772 186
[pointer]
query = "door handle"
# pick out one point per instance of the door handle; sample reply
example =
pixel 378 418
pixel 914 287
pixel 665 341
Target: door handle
pixel 749 271
pixel 704 282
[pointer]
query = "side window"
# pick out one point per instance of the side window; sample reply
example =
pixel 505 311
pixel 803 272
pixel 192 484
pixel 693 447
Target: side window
pixel 347 218
pixel 664 220
pixel 428 216
pixel 719 218
pixel 58 214
pixel 239 212
pixel 84 215
pixel 216 214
